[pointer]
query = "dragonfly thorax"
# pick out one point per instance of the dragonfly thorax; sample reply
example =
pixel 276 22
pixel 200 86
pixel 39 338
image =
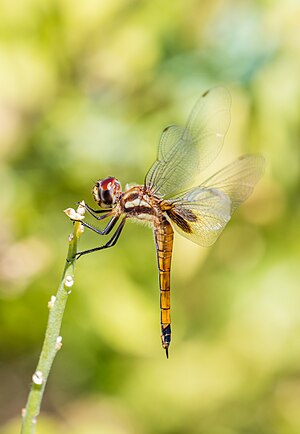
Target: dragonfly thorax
pixel 137 203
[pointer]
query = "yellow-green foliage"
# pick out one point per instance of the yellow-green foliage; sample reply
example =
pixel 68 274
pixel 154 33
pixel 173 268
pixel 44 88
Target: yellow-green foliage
pixel 85 91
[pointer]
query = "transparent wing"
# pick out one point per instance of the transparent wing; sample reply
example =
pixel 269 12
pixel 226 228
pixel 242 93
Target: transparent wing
pixel 238 179
pixel 157 175
pixel 184 152
pixel 200 214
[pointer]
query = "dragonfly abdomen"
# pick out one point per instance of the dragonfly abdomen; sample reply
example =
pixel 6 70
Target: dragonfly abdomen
pixel 164 244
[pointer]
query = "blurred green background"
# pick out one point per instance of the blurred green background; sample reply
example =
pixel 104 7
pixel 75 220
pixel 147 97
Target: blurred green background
pixel 85 91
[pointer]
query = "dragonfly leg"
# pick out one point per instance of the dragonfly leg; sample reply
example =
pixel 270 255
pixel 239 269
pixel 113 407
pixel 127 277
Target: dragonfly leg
pixel 109 243
pixel 107 228
pixel 95 211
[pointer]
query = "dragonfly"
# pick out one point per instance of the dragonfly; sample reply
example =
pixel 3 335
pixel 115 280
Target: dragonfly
pixel 169 199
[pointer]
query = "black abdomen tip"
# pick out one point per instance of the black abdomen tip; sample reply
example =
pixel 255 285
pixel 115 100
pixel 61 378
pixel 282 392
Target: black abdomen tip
pixel 166 338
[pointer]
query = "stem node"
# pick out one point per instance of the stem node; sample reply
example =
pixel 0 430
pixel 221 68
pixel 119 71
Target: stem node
pixel 53 340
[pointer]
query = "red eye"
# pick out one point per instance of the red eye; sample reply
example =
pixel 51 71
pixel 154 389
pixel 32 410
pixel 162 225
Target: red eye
pixel 108 183
pixel 106 192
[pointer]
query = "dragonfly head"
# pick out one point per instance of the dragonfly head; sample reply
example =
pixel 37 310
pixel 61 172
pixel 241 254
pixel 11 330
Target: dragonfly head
pixel 106 192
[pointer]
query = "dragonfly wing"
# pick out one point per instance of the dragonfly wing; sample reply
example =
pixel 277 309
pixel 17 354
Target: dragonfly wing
pixel 156 177
pixel 238 179
pixel 200 214
pixel 184 152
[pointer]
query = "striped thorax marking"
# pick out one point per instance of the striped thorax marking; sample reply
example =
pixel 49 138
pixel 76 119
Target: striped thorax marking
pixel 137 202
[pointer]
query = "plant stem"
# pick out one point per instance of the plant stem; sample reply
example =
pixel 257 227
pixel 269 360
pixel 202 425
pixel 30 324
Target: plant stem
pixel 52 342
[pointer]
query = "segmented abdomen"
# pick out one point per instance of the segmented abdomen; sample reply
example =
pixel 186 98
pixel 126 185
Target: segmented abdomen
pixel 164 244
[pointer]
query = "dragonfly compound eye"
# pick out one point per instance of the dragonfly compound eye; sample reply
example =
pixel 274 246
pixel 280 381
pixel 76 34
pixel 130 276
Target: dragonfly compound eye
pixel 106 192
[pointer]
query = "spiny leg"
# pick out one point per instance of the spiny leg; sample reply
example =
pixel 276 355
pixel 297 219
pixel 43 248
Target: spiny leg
pixel 110 225
pixel 110 243
pixel 96 211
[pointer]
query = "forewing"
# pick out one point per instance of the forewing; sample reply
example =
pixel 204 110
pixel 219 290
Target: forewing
pixel 156 176
pixel 238 179
pixel 184 152
pixel 201 214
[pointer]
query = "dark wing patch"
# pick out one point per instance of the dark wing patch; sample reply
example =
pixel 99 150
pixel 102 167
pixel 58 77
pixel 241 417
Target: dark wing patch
pixel 188 214
pixel 180 221
pixel 200 214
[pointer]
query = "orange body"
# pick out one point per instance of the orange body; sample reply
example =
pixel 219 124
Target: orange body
pixel 164 246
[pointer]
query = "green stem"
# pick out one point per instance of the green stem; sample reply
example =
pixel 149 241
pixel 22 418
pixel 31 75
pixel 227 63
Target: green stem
pixel 52 341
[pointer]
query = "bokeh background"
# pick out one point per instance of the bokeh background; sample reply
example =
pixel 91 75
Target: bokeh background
pixel 85 91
